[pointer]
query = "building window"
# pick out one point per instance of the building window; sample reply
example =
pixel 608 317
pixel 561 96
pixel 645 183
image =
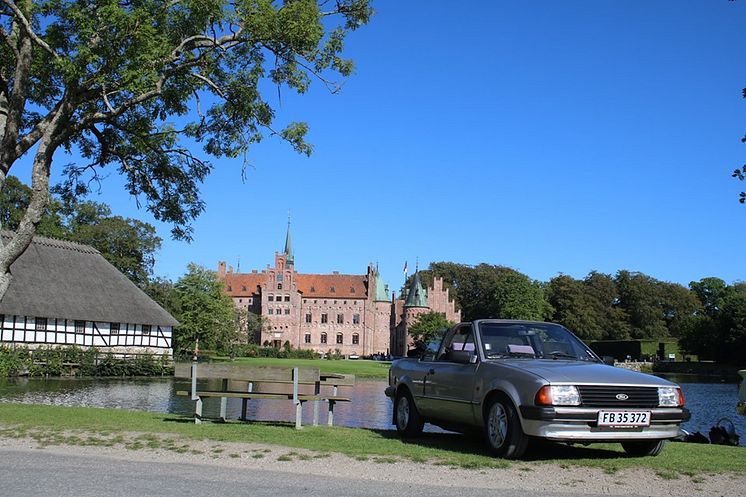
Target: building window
pixel 340 318
pixel 79 326
pixel 287 311
pixel 308 318
pixel 324 318
pixel 333 290
pixel 307 338
pixel 340 338
pixel 352 289
pixel 41 324
pixel 229 288
pixel 250 300
pixel 243 288
pixel 323 338
pixel 279 286
pixel 287 298
pixel 313 290
pixel 356 319
pixel 271 298
pixel 270 311
pixel 114 328
pixel 146 329
pixel 355 339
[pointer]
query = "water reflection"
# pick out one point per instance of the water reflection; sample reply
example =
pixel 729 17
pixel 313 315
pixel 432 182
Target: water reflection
pixel 370 408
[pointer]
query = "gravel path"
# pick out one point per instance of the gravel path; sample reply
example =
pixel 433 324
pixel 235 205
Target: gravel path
pixel 519 476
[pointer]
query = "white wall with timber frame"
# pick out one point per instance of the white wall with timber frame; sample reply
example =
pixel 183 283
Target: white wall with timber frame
pixel 55 331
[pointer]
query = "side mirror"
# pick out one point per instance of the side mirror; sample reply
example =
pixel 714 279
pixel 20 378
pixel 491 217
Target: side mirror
pixel 462 356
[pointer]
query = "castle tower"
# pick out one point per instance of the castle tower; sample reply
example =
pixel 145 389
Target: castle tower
pixel 288 252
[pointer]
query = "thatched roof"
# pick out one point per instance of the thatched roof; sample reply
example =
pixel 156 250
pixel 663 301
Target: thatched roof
pixel 58 279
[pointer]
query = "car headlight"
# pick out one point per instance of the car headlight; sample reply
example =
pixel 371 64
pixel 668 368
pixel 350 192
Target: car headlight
pixel 557 395
pixel 670 397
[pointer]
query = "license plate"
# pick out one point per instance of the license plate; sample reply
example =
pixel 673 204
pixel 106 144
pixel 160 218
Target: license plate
pixel 624 418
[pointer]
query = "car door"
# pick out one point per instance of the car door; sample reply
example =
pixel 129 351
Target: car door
pixel 449 386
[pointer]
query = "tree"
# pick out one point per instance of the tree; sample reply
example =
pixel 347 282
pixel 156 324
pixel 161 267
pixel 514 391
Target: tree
pixel 204 312
pixel 516 296
pixel 128 244
pixel 105 77
pixel 429 327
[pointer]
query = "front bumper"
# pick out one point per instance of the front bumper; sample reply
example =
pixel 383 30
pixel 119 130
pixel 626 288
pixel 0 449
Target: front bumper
pixel 580 424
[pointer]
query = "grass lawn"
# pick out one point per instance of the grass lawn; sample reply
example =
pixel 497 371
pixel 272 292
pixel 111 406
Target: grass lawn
pixel 89 426
pixel 360 368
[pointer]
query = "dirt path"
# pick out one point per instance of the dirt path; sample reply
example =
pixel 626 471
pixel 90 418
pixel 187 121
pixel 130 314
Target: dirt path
pixel 521 476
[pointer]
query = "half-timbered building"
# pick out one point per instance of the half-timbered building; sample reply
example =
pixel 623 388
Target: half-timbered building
pixel 64 293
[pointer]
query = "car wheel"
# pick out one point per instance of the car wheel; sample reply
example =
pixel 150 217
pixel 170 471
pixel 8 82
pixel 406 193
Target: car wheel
pixel 502 429
pixel 409 423
pixel 641 449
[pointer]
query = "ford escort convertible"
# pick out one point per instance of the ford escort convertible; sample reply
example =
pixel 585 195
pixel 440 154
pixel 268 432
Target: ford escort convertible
pixel 518 380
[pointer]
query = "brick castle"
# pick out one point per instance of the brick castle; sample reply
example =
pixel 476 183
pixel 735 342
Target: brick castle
pixel 350 312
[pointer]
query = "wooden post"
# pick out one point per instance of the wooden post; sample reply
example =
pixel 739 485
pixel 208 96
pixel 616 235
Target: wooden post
pixel 245 402
pixel 198 412
pixel 296 401
pixel 224 401
pixel 316 391
pixel 330 419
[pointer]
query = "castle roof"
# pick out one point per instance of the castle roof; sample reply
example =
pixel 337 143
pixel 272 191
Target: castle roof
pixel 416 295
pixel 59 279
pixel 289 258
pixel 243 284
pixel 346 286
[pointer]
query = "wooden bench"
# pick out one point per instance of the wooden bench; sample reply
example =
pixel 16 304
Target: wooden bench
pixel 240 381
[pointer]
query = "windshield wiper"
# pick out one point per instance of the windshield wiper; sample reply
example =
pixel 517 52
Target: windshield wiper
pixel 500 355
pixel 563 355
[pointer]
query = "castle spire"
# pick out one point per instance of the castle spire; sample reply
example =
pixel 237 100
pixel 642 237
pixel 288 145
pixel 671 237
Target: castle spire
pixel 289 258
pixel 416 295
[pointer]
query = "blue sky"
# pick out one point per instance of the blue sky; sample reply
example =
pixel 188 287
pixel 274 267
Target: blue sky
pixel 551 137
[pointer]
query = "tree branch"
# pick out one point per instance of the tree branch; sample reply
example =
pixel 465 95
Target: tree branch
pixel 27 27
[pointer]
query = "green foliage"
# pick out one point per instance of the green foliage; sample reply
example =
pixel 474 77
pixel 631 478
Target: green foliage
pixel 253 350
pixel 108 78
pixel 128 244
pixel 204 312
pixel 76 361
pixel 429 327
pixel 487 291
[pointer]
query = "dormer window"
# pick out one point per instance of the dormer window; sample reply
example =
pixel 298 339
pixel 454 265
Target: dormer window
pixel 230 289
pixel 243 288
pixel 352 289
pixel 313 289
pixel 333 290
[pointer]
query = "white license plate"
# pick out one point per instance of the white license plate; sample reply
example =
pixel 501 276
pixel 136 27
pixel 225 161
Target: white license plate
pixel 624 418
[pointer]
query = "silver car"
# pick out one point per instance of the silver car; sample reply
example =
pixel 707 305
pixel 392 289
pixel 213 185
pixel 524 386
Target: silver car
pixel 518 380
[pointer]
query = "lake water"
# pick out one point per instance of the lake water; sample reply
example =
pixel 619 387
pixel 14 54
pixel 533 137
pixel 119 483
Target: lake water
pixel 708 400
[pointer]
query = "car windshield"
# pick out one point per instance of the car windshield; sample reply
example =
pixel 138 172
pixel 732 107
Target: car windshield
pixel 531 340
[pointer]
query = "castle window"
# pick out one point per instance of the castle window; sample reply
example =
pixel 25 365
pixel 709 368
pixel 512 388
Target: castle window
pixel 287 311
pixel 352 289
pixel 271 298
pixel 40 324
pixel 323 338
pixel 79 326
pixel 356 319
pixel 333 290
pixel 287 298
pixel 249 300
pixel 340 318
pixel 355 339
pixel 146 329
pixel 243 288
pixel 279 286
pixel 308 318
pixel 324 318
pixel 307 338
pixel 313 290
pixel 270 311
pixel 230 289
pixel 114 328
pixel 240 301
pixel 340 338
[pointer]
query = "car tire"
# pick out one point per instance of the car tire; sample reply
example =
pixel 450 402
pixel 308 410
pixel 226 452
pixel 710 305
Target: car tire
pixel 407 418
pixel 502 429
pixel 642 449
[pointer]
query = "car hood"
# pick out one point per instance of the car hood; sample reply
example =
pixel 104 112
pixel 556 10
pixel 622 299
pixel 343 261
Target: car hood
pixel 558 371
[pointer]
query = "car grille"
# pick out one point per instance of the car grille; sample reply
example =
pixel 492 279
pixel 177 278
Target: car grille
pixel 606 396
